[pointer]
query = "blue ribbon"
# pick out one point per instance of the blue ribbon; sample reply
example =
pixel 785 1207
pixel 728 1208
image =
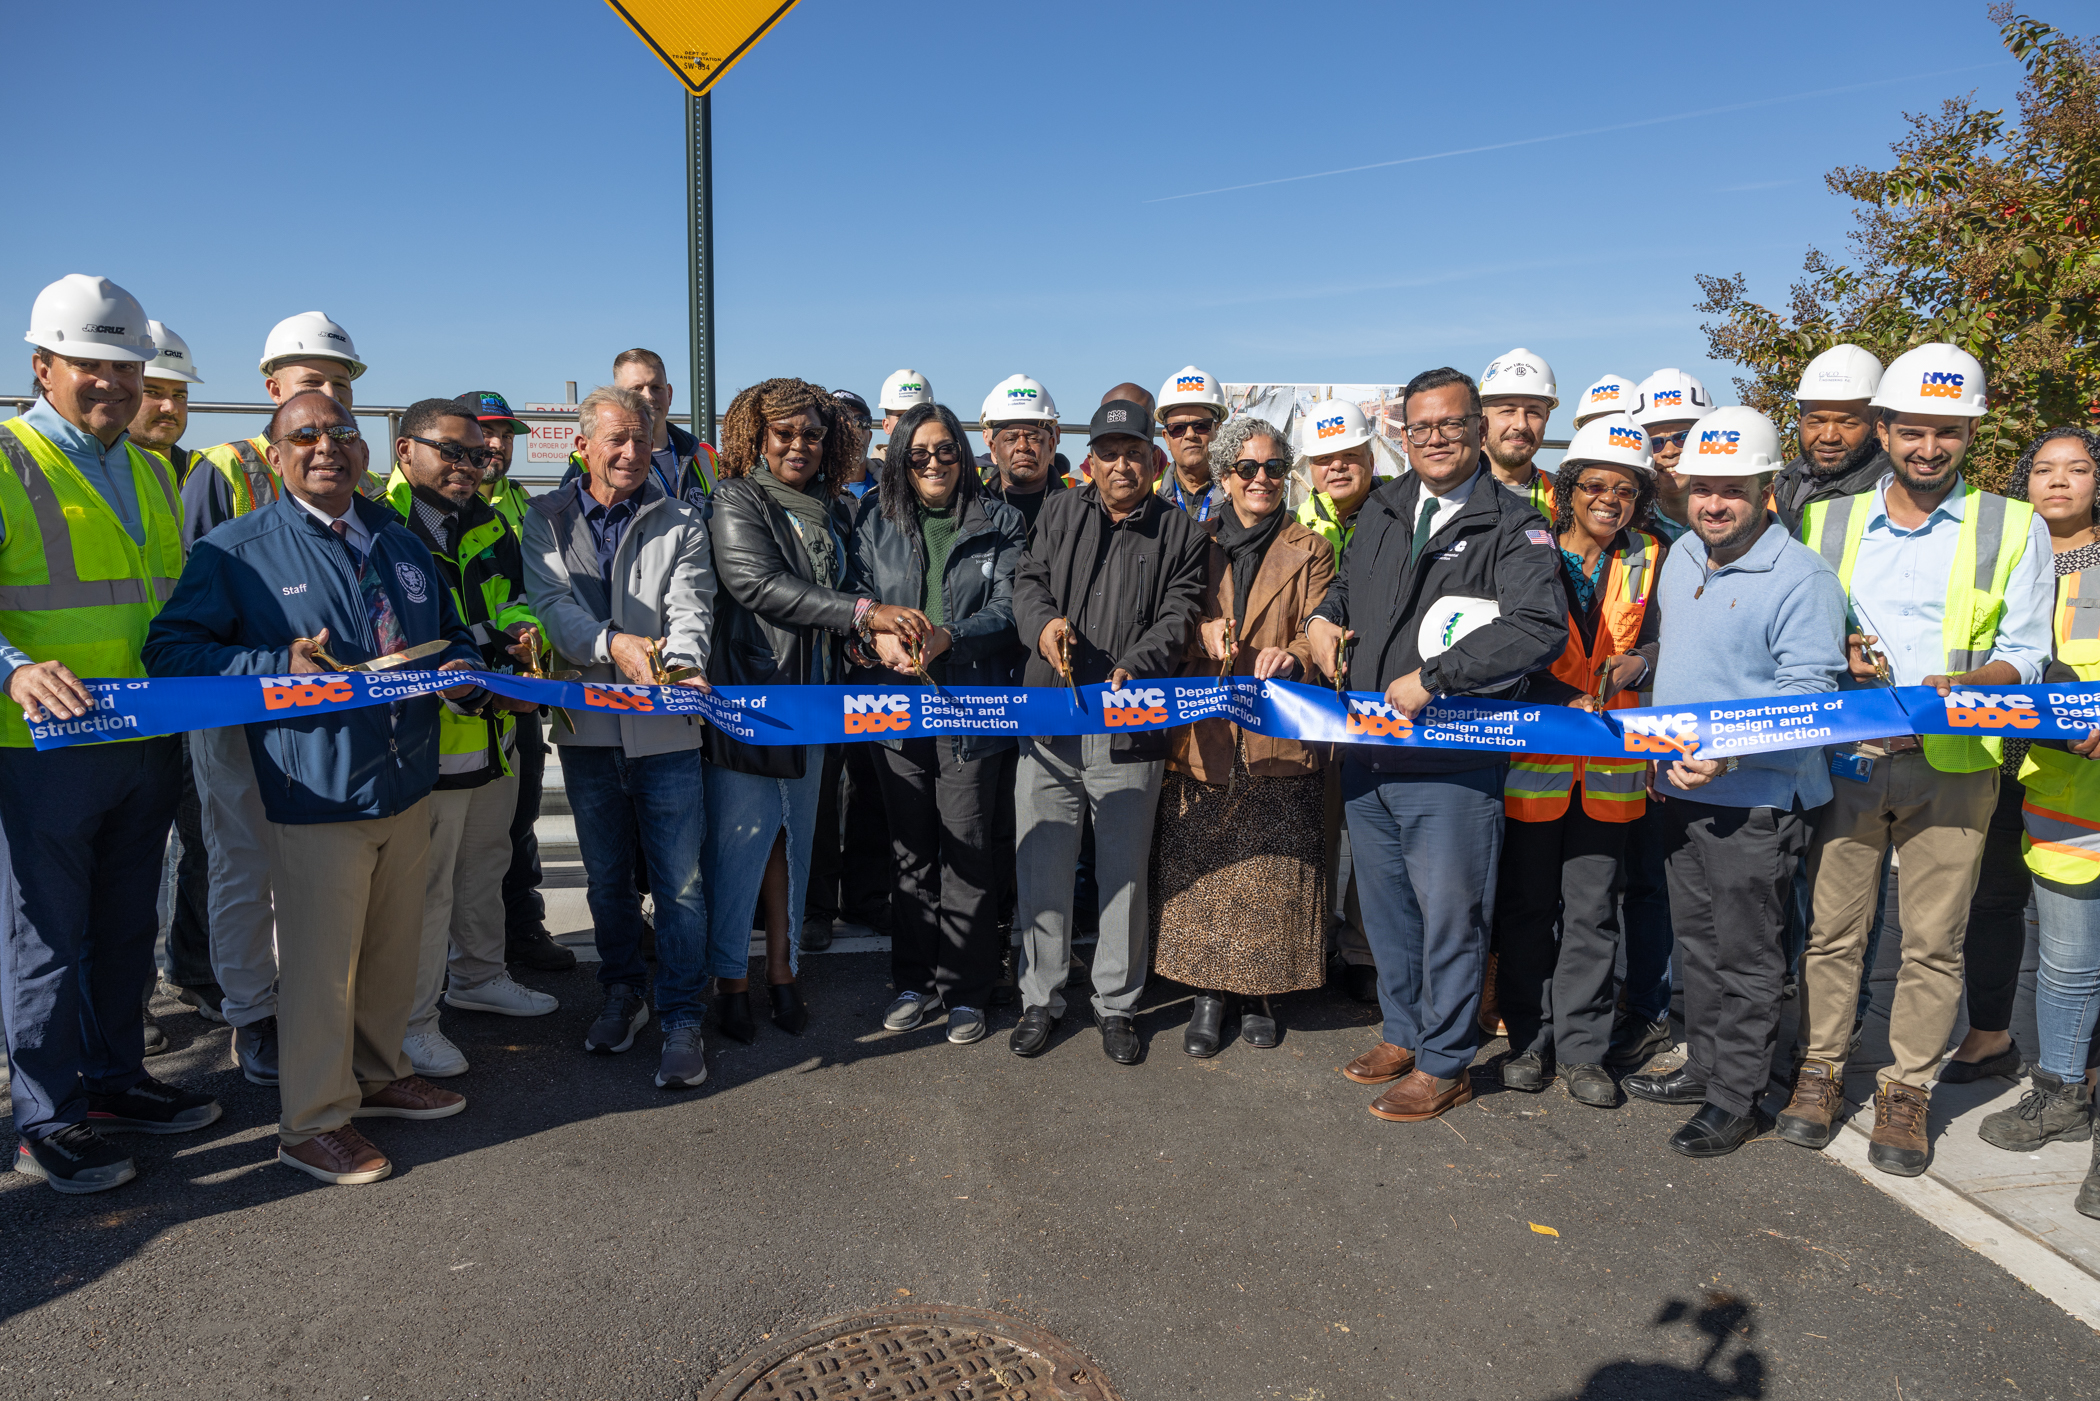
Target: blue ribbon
pixel 131 709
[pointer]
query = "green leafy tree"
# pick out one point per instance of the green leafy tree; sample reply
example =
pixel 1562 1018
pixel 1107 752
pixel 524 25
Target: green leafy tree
pixel 1981 234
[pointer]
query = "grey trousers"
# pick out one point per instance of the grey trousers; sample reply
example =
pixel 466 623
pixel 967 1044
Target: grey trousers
pixel 1056 781
pixel 470 851
pixel 242 916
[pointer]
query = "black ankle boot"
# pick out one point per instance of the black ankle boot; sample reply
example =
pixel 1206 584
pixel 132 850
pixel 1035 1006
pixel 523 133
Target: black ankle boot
pixel 1206 1026
pixel 733 1012
pixel 789 1013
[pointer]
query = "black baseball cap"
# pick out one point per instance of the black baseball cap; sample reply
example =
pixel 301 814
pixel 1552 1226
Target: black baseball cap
pixel 853 403
pixel 1119 416
pixel 487 406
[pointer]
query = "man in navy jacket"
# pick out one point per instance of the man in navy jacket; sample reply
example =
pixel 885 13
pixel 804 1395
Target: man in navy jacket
pixel 344 791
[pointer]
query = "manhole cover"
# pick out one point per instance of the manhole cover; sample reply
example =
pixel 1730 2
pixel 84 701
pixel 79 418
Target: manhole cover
pixel 927 1352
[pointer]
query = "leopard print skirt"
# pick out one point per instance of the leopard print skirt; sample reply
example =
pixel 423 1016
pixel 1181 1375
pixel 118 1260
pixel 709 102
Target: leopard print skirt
pixel 1239 884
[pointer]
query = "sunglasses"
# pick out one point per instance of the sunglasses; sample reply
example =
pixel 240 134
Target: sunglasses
pixel 1201 427
pixel 1616 493
pixel 1276 469
pixel 1663 440
pixel 455 452
pixel 945 454
pixel 342 434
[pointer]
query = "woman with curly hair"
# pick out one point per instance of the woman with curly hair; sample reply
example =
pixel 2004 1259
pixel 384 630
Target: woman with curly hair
pixel 788 600
pixel 1239 851
pixel 1568 818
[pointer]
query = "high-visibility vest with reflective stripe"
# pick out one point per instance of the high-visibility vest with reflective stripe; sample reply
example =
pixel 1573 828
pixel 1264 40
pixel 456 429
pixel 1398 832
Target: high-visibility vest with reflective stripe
pixel 74 587
pixel 2062 805
pixel 509 500
pixel 1993 538
pixel 1319 516
pixel 1541 494
pixel 1537 786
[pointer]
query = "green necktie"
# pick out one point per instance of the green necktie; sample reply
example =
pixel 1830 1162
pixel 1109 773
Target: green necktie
pixel 1424 527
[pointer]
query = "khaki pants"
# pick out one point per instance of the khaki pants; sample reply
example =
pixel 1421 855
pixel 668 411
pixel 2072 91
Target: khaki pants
pixel 350 901
pixel 1937 823
pixel 463 893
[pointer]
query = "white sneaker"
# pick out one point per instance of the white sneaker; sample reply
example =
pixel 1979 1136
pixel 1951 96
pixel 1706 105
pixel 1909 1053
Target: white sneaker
pixel 433 1056
pixel 506 995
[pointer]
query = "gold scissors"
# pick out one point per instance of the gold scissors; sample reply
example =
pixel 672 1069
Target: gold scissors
pixel 390 662
pixel 1232 650
pixel 536 668
pixel 666 675
pixel 915 651
pixel 1064 664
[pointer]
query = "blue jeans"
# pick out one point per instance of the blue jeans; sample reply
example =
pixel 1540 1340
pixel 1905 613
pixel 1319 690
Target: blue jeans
pixel 1427 849
pixel 2067 992
pixel 85 830
pixel 744 814
pixel 1647 919
pixel 648 806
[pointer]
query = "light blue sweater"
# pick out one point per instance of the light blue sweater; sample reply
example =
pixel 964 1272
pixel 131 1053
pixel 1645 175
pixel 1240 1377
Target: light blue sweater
pixel 1770 624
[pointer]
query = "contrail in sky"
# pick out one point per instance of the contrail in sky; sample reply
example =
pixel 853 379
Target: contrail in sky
pixel 1571 135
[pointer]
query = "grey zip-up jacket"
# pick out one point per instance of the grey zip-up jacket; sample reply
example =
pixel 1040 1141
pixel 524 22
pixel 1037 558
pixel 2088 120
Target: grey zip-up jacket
pixel 663 586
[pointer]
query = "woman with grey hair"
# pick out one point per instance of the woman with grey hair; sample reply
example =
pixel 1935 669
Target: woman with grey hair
pixel 1239 855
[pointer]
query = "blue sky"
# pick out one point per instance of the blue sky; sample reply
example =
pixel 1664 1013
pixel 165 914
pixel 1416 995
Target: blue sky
pixel 491 195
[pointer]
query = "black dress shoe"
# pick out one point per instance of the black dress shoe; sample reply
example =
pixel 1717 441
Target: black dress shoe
pixel 1360 982
pixel 733 1011
pixel 1965 1072
pixel 535 949
pixel 1713 1131
pixel 1260 1029
pixel 1526 1072
pixel 1119 1038
pixel 1032 1036
pixel 1206 1027
pixel 1679 1086
pixel 789 1013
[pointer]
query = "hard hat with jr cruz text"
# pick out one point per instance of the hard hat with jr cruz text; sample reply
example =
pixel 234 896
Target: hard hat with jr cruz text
pixel 1841 373
pixel 90 318
pixel 171 356
pixel 310 335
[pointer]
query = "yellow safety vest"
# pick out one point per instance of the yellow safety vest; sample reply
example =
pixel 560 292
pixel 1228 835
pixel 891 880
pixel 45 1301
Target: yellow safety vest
pixel 509 500
pixel 74 587
pixel 1537 786
pixel 1993 539
pixel 1319 516
pixel 245 465
pixel 2062 807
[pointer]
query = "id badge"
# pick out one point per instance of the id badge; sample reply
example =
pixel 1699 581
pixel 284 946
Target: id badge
pixel 1857 767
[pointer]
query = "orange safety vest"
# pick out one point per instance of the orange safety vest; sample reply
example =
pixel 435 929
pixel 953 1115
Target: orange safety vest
pixel 1537 786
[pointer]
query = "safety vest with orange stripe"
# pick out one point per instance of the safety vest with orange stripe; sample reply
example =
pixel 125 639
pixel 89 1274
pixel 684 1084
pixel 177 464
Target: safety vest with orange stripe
pixel 2062 805
pixel 1537 786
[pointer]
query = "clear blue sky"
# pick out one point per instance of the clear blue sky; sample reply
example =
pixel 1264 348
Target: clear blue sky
pixel 491 195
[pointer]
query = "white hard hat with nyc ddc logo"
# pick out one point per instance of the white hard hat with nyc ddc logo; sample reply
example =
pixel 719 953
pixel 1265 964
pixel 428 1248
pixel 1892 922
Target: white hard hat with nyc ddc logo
pixel 1670 396
pixel 1731 442
pixel 1935 379
pixel 1331 426
pixel 1190 388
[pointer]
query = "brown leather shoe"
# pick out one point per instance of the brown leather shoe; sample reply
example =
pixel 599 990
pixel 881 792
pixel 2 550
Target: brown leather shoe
pixel 1422 1096
pixel 1899 1145
pixel 344 1158
pixel 1810 1117
pixel 410 1097
pixel 1381 1063
pixel 1489 1017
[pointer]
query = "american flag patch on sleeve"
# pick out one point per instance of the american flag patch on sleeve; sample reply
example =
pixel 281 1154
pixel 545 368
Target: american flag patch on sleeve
pixel 1538 537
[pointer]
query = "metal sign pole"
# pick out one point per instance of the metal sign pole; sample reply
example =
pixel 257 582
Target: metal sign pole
pixel 700 242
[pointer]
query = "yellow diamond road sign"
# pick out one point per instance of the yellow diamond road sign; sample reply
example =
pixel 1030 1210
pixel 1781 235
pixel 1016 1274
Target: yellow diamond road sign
pixel 700 40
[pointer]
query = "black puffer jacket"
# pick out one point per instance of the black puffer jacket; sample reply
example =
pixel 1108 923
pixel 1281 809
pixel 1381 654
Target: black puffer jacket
pixel 1797 487
pixel 977 596
pixel 770 612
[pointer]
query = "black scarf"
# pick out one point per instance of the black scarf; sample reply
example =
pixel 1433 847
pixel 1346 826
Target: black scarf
pixel 1244 546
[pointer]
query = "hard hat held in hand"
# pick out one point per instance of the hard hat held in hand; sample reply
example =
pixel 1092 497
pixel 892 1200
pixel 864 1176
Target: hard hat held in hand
pixel 1611 440
pixel 310 336
pixel 1190 387
pixel 1519 372
pixel 90 318
pixel 1018 399
pixel 1612 394
pixel 1331 426
pixel 1451 618
pixel 1935 379
pixel 1732 442
pixel 171 358
pixel 1841 373
pixel 1668 396
pixel 906 389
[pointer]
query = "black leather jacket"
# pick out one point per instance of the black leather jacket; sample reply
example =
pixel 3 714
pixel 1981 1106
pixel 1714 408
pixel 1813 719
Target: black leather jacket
pixel 976 596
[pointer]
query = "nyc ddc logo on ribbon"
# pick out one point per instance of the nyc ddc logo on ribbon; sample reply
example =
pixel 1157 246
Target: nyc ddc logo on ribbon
pixel 876 713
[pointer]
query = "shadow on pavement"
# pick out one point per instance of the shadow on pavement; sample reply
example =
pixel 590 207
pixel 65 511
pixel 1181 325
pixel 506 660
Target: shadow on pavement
pixel 1727 1324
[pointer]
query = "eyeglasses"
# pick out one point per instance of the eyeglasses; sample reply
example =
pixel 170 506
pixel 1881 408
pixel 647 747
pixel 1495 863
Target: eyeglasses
pixel 1615 492
pixel 1451 430
pixel 454 452
pixel 1008 437
pixel 809 436
pixel 1201 427
pixel 944 453
pixel 1663 440
pixel 342 434
pixel 1275 469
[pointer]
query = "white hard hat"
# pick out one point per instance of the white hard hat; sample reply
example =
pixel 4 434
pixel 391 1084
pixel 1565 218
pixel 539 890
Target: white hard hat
pixel 1840 373
pixel 1611 440
pixel 1936 379
pixel 906 389
pixel 1519 372
pixel 1450 618
pixel 1669 395
pixel 1018 399
pixel 1733 442
pixel 90 318
pixel 310 336
pixel 1612 394
pixel 1190 387
pixel 172 356
pixel 1330 426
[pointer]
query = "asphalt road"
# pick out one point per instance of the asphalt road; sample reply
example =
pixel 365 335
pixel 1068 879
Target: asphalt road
pixel 1238 1228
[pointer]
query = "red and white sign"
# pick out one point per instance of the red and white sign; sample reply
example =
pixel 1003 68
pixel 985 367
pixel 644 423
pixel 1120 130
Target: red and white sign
pixel 551 442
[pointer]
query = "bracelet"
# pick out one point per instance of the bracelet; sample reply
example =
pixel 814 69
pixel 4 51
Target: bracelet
pixel 862 607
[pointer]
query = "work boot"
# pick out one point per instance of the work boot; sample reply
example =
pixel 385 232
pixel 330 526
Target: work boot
pixel 156 1040
pixel 1635 1041
pixel 1899 1144
pixel 1810 1117
pixel 2089 1192
pixel 2050 1112
pixel 536 949
pixel 816 934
